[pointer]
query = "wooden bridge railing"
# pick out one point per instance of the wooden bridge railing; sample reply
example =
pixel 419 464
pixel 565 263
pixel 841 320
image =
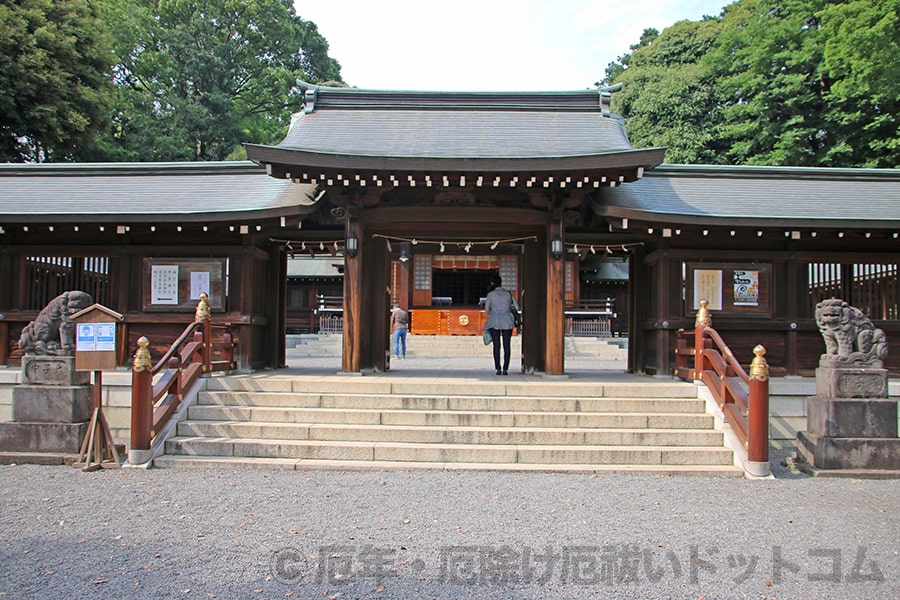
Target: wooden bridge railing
pixel 743 398
pixel 154 403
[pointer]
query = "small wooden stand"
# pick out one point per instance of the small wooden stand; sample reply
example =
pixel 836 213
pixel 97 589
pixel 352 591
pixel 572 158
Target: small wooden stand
pixel 98 451
pixel 95 350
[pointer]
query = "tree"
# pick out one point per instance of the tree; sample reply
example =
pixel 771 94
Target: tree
pixel 670 97
pixel 55 86
pixel 862 52
pixel 770 82
pixel 199 77
pixel 769 63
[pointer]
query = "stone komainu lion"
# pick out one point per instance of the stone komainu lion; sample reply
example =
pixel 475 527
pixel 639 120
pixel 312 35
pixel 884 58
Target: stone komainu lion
pixel 53 332
pixel 850 337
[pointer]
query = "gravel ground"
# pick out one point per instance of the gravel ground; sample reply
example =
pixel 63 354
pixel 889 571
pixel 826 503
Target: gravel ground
pixel 184 533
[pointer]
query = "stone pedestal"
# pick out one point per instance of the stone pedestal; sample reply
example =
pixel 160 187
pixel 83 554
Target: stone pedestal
pixel 851 382
pixel 850 436
pixel 52 370
pixel 51 409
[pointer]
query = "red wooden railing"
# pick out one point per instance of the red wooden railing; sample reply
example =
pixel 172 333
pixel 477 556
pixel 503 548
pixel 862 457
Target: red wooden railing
pixel 743 398
pixel 153 404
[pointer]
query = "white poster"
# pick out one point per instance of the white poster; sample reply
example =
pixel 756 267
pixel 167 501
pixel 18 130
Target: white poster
pixel 164 284
pixel 106 337
pixel 708 286
pixel 199 284
pixel 86 337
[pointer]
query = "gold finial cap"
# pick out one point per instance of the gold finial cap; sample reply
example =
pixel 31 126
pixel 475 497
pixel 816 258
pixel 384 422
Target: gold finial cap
pixel 759 368
pixel 202 308
pixel 142 356
pixel 703 315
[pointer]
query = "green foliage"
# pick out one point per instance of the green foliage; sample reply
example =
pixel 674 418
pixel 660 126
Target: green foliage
pixel 770 82
pixel 669 97
pixel 196 78
pixel 862 55
pixel 55 88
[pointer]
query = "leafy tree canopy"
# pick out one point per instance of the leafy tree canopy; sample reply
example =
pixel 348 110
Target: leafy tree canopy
pixel 55 88
pixel 775 82
pixel 196 78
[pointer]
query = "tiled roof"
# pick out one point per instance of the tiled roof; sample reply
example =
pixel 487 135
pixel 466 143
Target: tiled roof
pixel 129 192
pixel 475 127
pixel 758 196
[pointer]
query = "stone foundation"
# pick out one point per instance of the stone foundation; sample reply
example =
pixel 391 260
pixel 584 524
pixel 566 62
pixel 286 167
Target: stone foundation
pixel 42 437
pixel 851 425
pixel 851 382
pixel 51 409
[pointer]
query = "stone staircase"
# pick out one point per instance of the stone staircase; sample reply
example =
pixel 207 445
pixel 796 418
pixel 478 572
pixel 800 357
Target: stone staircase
pixel 579 348
pixel 344 422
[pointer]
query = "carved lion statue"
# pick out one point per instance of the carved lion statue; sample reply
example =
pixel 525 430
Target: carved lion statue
pixel 53 331
pixel 850 337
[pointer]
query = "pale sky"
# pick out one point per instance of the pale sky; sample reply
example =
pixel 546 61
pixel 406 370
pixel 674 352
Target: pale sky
pixel 494 45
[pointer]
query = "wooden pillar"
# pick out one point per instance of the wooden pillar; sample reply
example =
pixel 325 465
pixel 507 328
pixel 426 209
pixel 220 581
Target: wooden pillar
pixel 534 309
pixel 6 299
pixel 637 310
pixel 792 279
pixel 351 358
pixel 554 346
pixel 664 349
pixel 376 299
pixel 276 308
pixel 242 283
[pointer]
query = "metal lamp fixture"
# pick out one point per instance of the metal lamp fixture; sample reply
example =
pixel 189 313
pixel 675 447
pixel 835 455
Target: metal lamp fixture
pixel 404 257
pixel 352 244
pixel 556 247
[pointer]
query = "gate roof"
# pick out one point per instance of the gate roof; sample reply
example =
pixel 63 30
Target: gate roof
pixel 348 134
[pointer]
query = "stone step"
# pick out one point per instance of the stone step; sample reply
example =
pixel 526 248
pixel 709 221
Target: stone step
pixel 232 462
pixel 451 418
pixel 455 346
pixel 459 403
pixel 486 454
pixel 561 436
pixel 623 424
pixel 488 388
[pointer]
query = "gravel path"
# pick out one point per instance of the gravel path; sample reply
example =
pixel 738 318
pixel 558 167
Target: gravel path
pixel 182 533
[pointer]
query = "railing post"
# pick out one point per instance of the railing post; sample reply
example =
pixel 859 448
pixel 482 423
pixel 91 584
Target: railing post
pixel 703 320
pixel 141 405
pixel 758 417
pixel 202 314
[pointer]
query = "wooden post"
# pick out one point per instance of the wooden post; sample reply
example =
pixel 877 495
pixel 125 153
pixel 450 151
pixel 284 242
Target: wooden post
pixel 758 435
pixel 556 326
pixel 141 404
pixel 703 320
pixel 98 450
pixel 202 314
pixel 353 307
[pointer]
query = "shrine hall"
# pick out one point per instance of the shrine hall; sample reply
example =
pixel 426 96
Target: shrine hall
pixel 377 197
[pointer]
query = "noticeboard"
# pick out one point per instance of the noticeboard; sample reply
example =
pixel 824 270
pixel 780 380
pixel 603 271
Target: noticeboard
pixel 95 338
pixel 175 284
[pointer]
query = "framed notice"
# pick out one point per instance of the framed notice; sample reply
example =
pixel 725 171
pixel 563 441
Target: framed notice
pixel 199 284
pixel 708 286
pixel 734 289
pixel 164 284
pixel 175 284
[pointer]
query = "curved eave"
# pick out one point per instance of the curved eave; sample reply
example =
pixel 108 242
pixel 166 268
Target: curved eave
pixel 291 158
pixel 646 216
pixel 112 218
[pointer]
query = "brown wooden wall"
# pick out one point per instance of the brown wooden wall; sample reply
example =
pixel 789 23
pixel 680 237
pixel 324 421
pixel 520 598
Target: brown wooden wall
pixel 125 290
pixel 783 319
